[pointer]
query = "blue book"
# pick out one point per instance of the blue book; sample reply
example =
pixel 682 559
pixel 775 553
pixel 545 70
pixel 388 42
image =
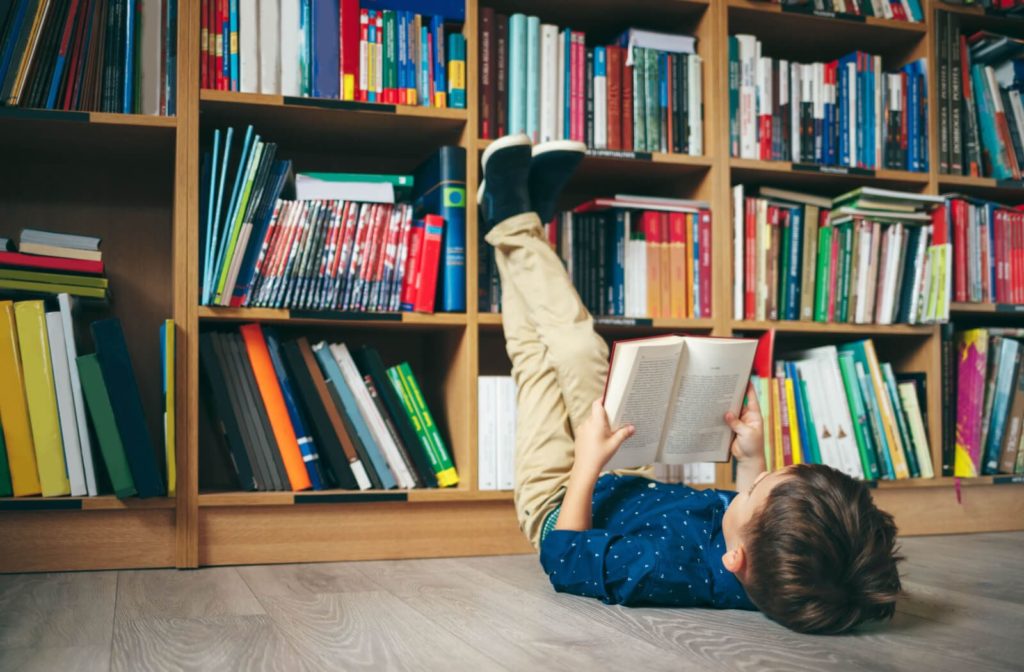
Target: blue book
pixel 619 267
pixel 449 10
pixel 310 455
pixel 305 45
pixel 278 178
pixel 225 31
pixel 517 74
pixel 916 13
pixel 567 85
pixel 206 230
pixel 214 234
pixel 441 190
pixel 843 83
pixel 662 101
pixel 457 81
pixel 325 49
pixel 128 85
pixel 913 115
pixel 1009 361
pixel 14 29
pixel 789 368
pixel 533 78
pixel 225 233
pixel 425 69
pixel 695 237
pixel 350 408
pixel 991 142
pixel 922 109
pixel 171 51
pixel 440 63
pixel 791 293
pixel 233 10
pixel 867 393
pixel 902 429
pixel 402 26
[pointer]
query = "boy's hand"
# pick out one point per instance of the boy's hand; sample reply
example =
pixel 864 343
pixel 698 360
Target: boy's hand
pixel 749 427
pixel 596 442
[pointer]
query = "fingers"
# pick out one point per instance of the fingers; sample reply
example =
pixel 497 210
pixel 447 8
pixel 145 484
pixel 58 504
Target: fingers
pixel 598 414
pixel 752 402
pixel 734 423
pixel 621 435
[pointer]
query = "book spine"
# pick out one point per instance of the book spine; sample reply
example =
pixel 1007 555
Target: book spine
pixel 408 387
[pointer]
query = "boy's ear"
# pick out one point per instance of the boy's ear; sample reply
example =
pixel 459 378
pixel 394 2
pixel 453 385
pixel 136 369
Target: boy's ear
pixel 736 561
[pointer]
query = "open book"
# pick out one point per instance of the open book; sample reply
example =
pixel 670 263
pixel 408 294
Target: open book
pixel 675 391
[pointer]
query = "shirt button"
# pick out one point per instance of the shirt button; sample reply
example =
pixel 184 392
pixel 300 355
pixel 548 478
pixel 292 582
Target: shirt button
pixel 652 485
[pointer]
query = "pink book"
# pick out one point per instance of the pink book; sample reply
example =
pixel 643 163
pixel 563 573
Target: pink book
pixel 579 58
pixel 787 441
pixel 705 263
pixel 972 355
pixel 833 277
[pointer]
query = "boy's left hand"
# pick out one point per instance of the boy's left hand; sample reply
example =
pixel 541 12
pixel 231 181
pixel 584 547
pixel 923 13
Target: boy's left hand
pixel 749 428
pixel 596 442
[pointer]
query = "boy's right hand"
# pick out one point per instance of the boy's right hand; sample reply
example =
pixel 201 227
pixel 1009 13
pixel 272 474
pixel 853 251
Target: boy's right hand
pixel 749 428
pixel 596 442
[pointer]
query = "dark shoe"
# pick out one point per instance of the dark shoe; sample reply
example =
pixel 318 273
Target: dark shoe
pixel 503 191
pixel 552 165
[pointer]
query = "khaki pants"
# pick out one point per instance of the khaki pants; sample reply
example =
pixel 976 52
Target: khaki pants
pixel 558 361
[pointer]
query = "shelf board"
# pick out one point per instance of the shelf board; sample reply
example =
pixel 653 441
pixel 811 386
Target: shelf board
pixel 808 327
pixel 241 498
pixel 603 20
pixel 99 503
pixel 826 177
pixel 820 20
pixel 607 156
pixel 612 324
pixel 60 134
pixel 332 318
pixel 1009 191
pixel 949 482
pixel 963 308
pixel 325 125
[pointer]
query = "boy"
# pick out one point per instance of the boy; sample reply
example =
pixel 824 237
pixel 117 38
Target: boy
pixel 805 544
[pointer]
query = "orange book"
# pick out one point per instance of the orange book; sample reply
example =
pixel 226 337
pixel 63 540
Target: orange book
pixel 677 259
pixel 277 412
pixel 665 251
pixel 776 422
pixel 650 224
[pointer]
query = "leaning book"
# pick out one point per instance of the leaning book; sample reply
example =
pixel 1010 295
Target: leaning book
pixel 675 390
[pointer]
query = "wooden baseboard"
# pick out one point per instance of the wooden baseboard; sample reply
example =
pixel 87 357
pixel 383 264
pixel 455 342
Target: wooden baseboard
pixel 982 508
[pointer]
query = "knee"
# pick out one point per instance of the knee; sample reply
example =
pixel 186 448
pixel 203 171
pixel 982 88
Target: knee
pixel 581 352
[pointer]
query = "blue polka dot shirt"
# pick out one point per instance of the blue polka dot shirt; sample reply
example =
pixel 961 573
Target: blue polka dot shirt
pixel 652 544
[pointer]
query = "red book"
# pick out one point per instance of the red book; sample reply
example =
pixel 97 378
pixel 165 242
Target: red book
pixel 613 65
pixel 74 65
pixel 833 277
pixel 764 355
pixel 750 258
pixel 430 256
pixel 787 441
pixel 223 44
pixel 940 225
pixel 362 81
pixel 959 215
pixel 50 263
pixel 998 256
pixel 575 79
pixel 1017 277
pixel 348 52
pixel 705 263
pixel 412 265
pixel 987 258
pixel 204 35
pixel 486 88
pixel 650 225
pixel 627 104
pixel 501 74
pixel 677 264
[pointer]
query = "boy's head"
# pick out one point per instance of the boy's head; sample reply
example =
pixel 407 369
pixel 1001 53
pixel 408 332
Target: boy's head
pixel 812 550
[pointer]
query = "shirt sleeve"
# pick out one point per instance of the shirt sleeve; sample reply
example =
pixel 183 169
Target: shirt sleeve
pixel 617 569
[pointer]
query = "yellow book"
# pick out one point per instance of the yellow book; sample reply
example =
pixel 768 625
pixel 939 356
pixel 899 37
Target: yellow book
pixel 765 403
pixel 776 416
pixel 892 435
pixel 30 317
pixel 167 345
pixel 14 409
pixel 794 427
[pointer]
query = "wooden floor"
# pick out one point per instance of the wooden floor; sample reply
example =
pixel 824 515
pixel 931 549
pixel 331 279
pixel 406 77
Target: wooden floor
pixel 965 612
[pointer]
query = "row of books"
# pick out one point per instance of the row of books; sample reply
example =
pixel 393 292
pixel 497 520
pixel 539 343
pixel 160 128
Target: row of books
pixel 641 93
pixel 981 113
pixel 988 250
pixel 296 416
pixel 50 263
pixel 334 49
pixel 326 251
pixel 867 256
pixel 92 55
pixel 899 10
pixel 628 256
pixel 845 113
pixel 997 7
pixel 51 396
pixel 988 402
pixel 841 406
pixel 496 432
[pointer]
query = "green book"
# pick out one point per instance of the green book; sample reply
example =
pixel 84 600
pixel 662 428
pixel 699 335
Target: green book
pixel 821 285
pixel 390 53
pixel 97 400
pixel 783 260
pixel 861 426
pixel 447 475
pixel 239 214
pixel 811 449
pixel 639 100
pixel 53 288
pixel 6 489
pixel 53 278
pixel 417 423
pixel 845 231
pixel 652 109
pixel 901 419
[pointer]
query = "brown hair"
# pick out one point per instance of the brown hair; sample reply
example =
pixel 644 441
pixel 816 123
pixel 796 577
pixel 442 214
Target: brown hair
pixel 822 556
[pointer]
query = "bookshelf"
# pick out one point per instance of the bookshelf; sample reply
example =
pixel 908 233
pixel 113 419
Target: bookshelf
pixel 134 180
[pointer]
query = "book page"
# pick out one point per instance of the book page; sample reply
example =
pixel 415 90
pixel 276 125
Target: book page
pixel 639 388
pixel 712 379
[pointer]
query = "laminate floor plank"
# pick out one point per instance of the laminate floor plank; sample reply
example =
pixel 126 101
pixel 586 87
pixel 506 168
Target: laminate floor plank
pixel 50 658
pixel 170 593
pixel 307 579
pixel 57 610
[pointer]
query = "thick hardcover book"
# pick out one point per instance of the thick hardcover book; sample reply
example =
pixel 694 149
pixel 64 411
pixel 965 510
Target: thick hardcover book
pixel 441 190
pixel 253 433
pixel 218 394
pixel 406 386
pixel 325 49
pixel 678 369
pixel 251 404
pixel 501 75
pixel 14 411
pixel 972 355
pixel 37 368
pixel 97 398
pixel 18 260
pixel 307 445
pixel 487 87
pixel 112 352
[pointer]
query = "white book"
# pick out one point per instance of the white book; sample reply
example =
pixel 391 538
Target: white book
pixel 65 405
pixel 640 250
pixel 76 242
pixel 248 47
pixel 291 79
pixel 851 99
pixel 308 188
pixel 378 429
pixel 675 390
pixel 860 315
pixel 506 432
pixel 270 46
pixel 487 434
pixel 71 351
pixel 748 95
pixel 821 410
pixel 920 264
pixel 738 239
pixel 149 48
pixel 796 87
pixel 912 412
pixel 549 78
pixel 560 93
pixel 600 98
pixel 696 106
pixel 649 39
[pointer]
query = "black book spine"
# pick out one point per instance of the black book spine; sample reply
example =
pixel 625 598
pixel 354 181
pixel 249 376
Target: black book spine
pixel 217 394
pixel 484 268
pixel 1015 139
pixel 240 405
pixel 951 47
pixel 588 82
pixel 945 128
pixel 601 238
pixel 683 86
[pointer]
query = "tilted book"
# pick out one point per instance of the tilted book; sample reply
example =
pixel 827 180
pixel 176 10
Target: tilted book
pixel 675 390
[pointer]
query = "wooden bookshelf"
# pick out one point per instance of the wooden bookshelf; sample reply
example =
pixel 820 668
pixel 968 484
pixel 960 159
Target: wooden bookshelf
pixel 135 181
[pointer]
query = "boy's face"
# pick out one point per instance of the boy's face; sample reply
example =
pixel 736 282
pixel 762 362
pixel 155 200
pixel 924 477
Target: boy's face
pixel 746 505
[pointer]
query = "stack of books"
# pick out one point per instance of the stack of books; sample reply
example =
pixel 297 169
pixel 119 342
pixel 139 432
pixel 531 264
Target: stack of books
pixel 628 256
pixel 339 49
pixel 989 402
pixel 92 55
pixel 641 93
pixel 868 256
pixel 846 113
pixel 840 406
pixel 296 416
pixel 900 10
pixel 496 428
pixel 45 262
pixel 51 393
pixel 343 241
pixel 988 250
pixel 981 114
